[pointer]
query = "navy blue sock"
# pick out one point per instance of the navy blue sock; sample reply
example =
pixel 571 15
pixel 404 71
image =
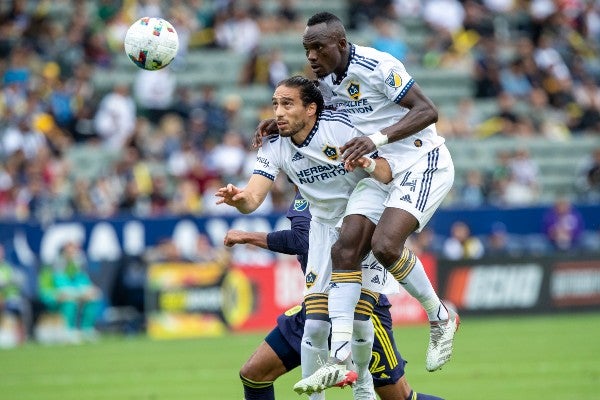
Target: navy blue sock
pixel 257 390
pixel 420 396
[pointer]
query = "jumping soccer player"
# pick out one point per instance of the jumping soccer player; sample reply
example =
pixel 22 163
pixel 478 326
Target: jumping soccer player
pixel 396 118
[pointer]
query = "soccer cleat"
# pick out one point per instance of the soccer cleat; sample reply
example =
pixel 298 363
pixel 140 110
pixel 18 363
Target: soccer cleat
pixel 441 337
pixel 329 375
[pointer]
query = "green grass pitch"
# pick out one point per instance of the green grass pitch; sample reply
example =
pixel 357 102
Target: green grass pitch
pixel 529 357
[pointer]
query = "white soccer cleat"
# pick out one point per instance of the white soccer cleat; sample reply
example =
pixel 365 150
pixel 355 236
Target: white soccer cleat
pixel 329 375
pixel 441 338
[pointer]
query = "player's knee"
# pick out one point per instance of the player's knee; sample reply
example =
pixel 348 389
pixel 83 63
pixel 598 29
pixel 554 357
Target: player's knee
pixel 345 256
pixel 386 250
pixel 252 372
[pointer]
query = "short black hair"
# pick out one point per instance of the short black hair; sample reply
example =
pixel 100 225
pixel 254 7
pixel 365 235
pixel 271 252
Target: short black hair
pixel 328 19
pixel 309 92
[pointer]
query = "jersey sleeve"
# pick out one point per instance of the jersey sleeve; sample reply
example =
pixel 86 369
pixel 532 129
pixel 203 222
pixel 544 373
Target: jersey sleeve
pixel 392 79
pixel 290 241
pixel 267 162
pixel 293 240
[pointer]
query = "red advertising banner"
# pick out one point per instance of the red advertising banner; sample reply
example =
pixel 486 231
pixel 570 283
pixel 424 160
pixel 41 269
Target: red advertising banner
pixel 207 299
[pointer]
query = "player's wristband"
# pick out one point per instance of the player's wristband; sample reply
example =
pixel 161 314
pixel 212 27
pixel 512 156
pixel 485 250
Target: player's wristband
pixel 379 139
pixel 371 167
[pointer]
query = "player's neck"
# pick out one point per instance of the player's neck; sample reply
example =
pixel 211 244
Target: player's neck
pixel 299 137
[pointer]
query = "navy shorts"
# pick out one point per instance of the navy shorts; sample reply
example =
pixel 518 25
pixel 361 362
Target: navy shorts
pixel 387 365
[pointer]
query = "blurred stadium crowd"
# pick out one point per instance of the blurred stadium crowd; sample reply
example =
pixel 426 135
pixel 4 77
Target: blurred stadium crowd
pixel 167 145
pixel 159 146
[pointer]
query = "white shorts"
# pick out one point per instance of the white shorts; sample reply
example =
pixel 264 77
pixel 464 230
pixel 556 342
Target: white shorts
pixel 419 189
pixel 318 269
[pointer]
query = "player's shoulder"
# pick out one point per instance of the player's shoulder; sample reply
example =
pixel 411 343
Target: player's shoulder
pixel 370 58
pixel 332 118
pixel 272 144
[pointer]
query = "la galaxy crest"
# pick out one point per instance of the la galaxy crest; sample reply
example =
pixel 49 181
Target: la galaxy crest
pixel 353 90
pixel 331 152
pixel 393 79
pixel 311 278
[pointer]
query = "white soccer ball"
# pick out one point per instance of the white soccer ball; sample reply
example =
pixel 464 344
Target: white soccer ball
pixel 151 43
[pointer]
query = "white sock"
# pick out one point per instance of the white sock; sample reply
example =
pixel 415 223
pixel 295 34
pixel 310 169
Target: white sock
pixel 362 347
pixel 418 285
pixel 314 347
pixel 342 302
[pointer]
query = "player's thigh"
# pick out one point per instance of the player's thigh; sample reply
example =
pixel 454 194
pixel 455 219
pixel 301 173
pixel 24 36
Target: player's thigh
pixel 318 268
pixel 368 199
pixel 421 188
pixel 387 364
pixel 354 242
pixel 393 229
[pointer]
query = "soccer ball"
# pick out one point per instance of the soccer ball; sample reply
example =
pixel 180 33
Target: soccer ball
pixel 151 43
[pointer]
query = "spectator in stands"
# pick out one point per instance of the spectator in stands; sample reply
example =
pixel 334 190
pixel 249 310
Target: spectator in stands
pixel 473 191
pixel 237 30
pixel 515 180
pixel 587 99
pixel 588 178
pixel 215 117
pixel 388 39
pixel 15 308
pixel 563 225
pixel 499 242
pixel 461 245
pixel 445 18
pixel 363 12
pixel 524 169
pixel 557 77
pixel 229 156
pixel 514 80
pixel 486 69
pixel 68 289
pixel 115 118
pixel 186 199
pixel 154 93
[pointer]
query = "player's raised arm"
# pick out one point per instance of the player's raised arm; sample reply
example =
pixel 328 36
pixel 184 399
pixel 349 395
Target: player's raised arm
pixel 248 199
pixel 422 113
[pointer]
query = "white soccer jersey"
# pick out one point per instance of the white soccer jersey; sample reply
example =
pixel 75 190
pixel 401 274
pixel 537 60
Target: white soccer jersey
pixel 369 93
pixel 315 166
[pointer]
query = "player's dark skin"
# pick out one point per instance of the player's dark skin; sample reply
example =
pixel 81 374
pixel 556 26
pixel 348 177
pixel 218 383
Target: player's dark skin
pixel 327 51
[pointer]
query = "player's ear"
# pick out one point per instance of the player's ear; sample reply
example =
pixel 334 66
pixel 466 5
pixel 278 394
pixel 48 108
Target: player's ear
pixel 311 109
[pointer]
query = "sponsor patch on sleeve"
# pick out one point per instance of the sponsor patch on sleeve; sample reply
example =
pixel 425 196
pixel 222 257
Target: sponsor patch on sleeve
pixel 393 80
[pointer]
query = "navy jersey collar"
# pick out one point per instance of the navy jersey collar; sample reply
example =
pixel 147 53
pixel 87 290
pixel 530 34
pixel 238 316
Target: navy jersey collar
pixel 312 133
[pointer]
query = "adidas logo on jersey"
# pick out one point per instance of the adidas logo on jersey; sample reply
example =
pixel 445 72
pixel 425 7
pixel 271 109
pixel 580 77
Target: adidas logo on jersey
pixel 406 198
pixel 297 157
pixel 375 279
